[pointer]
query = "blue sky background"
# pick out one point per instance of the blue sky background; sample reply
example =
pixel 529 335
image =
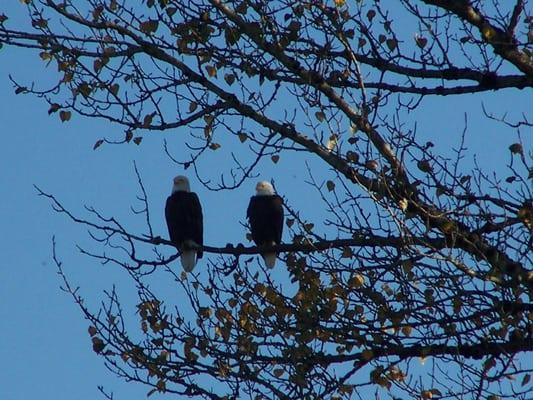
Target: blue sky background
pixel 44 345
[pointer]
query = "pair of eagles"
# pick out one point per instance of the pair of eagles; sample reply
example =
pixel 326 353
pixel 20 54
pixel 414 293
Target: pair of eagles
pixel 183 213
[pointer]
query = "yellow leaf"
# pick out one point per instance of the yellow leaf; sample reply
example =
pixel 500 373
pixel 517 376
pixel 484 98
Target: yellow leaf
pixel 357 281
pixel 332 142
pixel 406 330
pixel 98 144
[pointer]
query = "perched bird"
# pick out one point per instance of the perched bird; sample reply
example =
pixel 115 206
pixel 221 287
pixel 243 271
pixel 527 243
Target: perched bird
pixel 265 213
pixel 185 222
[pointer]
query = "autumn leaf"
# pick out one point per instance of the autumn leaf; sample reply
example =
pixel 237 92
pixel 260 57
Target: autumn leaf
pixel 98 65
pixel 332 142
pixel 347 252
pixel 367 354
pixel 406 330
pixel 211 71
pixel 65 115
pixel 356 281
pixel 147 121
pixel 85 89
pixel 114 88
pixel 45 56
pixel 330 185
pixel 138 140
pixel 54 107
pixel 92 331
pixel 171 11
pixel 149 27
pixel 516 148
pixel 161 386
pixel 214 146
pixel 193 106
pixel 278 372
pixel 38 23
pixel 320 116
pixel 372 165
pixel 392 44
pixel 352 156
pixel 242 137
pixel 421 41
pixel 229 78
pixel 98 344
pixel 275 158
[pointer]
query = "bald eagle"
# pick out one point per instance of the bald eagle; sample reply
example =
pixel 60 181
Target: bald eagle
pixel 183 213
pixel 265 213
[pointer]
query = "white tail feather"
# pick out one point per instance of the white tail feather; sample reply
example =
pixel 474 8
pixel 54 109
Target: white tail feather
pixel 188 260
pixel 270 259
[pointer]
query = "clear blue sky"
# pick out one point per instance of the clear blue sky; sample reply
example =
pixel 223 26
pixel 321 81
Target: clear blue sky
pixel 44 346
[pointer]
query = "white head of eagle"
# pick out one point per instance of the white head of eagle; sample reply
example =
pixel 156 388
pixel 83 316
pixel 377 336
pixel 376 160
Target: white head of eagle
pixel 264 188
pixel 265 213
pixel 181 184
pixel 184 217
